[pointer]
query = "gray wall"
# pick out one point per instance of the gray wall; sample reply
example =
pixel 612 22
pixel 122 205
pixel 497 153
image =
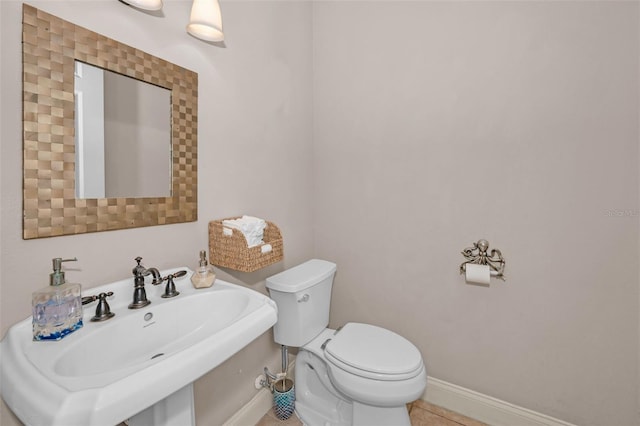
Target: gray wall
pixel 434 124
pixel 254 158
pixel 440 123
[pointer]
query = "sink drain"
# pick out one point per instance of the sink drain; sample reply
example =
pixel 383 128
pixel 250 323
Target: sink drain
pixel 157 355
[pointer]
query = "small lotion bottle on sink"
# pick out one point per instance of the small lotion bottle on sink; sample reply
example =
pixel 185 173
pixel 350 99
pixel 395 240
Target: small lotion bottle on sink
pixel 204 276
pixel 57 309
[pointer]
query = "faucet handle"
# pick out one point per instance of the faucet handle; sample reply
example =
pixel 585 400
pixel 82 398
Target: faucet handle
pixel 103 311
pixel 170 289
pixel 170 276
pixel 88 299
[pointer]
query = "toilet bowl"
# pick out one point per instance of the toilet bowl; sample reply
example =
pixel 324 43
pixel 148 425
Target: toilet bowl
pixel 360 374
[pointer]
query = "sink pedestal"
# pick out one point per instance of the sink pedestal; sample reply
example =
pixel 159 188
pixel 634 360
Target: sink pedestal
pixel 176 409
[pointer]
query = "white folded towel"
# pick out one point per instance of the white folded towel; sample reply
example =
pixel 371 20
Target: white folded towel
pixel 251 227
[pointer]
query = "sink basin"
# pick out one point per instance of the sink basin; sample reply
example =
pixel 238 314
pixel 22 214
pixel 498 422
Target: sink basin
pixel 109 371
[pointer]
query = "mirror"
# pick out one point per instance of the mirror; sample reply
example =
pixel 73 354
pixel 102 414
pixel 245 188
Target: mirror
pixel 123 135
pixel 51 48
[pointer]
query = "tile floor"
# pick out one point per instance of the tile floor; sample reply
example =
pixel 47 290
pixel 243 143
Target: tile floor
pixel 421 413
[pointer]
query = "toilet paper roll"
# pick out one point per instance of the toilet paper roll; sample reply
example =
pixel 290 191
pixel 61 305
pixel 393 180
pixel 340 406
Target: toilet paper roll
pixel 479 274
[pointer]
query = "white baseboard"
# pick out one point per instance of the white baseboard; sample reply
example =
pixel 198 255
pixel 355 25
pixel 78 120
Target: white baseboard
pixel 484 408
pixel 253 411
pixel 464 401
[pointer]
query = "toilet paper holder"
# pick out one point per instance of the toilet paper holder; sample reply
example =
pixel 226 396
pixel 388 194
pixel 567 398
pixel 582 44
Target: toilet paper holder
pixel 478 255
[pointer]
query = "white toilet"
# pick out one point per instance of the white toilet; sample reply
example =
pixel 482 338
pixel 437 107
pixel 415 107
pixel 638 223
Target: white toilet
pixel 360 374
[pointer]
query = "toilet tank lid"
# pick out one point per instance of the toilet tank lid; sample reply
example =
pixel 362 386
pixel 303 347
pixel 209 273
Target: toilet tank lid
pixel 302 276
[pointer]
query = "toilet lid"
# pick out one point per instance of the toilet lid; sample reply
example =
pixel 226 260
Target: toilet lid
pixel 374 352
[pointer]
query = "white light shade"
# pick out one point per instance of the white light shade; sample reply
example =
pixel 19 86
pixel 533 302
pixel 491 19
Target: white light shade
pixel 144 4
pixel 206 20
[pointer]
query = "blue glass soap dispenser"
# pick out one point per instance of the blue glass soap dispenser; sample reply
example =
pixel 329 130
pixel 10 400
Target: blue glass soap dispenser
pixel 57 309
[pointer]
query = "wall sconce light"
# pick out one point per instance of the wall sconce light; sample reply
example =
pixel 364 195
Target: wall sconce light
pixel 206 20
pixel 206 17
pixel 144 4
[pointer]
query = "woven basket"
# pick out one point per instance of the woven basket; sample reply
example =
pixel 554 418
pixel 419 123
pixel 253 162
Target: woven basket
pixel 231 251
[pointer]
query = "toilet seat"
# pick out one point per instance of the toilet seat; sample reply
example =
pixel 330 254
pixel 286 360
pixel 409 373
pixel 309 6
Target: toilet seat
pixel 374 353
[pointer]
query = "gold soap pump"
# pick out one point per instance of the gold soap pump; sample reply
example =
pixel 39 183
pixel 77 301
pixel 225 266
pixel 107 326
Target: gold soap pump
pixel 204 276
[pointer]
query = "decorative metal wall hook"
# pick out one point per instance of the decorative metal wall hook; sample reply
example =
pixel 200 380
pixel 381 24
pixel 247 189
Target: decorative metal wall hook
pixel 478 255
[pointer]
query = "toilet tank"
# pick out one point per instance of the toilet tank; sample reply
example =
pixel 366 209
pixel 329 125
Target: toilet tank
pixel 303 297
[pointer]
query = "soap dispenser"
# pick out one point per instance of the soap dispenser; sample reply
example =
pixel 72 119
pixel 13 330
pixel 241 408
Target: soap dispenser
pixel 203 276
pixel 57 309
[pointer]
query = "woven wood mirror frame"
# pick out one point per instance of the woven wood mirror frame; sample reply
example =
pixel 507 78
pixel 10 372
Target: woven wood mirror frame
pixel 50 47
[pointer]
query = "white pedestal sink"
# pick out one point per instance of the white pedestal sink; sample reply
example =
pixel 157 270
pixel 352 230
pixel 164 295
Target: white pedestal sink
pixel 139 365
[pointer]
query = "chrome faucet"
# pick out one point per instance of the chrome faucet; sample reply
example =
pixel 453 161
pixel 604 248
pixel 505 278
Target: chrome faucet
pixel 139 293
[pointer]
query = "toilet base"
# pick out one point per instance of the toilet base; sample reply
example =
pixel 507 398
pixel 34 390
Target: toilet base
pixel 362 415
pixel 380 416
pixel 318 402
